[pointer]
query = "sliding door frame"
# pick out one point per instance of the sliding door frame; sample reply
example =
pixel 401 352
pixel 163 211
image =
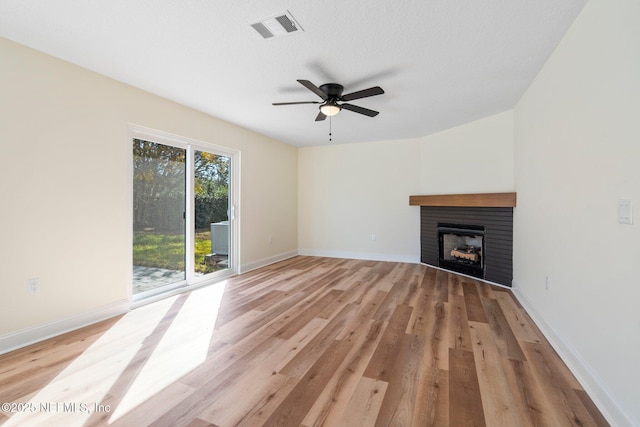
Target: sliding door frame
pixel 190 145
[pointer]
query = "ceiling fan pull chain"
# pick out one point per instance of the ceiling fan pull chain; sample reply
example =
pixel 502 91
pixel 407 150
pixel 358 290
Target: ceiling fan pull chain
pixel 329 128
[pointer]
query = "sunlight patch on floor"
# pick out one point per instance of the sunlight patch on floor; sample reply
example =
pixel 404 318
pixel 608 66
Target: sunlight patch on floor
pixel 69 399
pixel 183 347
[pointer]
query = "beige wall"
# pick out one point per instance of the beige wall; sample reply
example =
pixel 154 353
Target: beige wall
pixel 577 150
pixel 349 192
pixel 66 193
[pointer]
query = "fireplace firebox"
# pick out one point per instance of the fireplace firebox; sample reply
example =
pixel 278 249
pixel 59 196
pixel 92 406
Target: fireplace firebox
pixel 461 248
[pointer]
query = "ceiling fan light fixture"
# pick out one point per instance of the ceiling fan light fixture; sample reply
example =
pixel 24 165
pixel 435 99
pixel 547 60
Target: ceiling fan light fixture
pixel 330 109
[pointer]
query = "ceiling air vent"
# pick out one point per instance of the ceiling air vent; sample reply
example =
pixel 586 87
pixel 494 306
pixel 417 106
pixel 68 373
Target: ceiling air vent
pixel 277 25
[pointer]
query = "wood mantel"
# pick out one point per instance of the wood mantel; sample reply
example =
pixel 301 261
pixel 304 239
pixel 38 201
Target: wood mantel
pixel 485 200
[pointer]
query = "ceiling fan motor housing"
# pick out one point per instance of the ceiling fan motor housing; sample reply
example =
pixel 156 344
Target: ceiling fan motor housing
pixel 333 90
pixel 331 106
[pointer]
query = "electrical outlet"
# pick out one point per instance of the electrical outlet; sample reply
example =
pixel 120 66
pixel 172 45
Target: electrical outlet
pixel 547 282
pixel 625 211
pixel 33 285
pixel 373 237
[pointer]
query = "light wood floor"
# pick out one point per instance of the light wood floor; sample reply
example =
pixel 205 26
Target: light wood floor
pixel 305 342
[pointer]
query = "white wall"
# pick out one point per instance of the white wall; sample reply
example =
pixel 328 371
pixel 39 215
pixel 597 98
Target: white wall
pixel 473 158
pixel 65 186
pixel 577 149
pixel 349 192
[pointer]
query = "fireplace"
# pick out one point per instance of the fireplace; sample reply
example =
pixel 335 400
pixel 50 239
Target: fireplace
pixel 461 248
pixel 482 230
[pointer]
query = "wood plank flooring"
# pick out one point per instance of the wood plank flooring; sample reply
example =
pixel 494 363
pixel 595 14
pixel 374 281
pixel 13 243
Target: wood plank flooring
pixel 305 342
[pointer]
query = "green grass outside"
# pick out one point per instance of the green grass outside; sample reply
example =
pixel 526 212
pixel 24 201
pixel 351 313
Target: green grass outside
pixel 151 249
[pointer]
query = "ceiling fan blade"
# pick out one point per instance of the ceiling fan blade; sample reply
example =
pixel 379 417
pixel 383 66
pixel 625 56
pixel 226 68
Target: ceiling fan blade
pixel 313 88
pixel 294 103
pixel 320 117
pixel 360 110
pixel 372 91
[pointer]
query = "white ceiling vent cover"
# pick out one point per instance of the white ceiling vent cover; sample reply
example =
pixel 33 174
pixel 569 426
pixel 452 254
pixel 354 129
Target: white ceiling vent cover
pixel 280 24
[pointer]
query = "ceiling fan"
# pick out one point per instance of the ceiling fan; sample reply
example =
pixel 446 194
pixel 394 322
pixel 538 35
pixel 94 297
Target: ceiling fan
pixel 334 100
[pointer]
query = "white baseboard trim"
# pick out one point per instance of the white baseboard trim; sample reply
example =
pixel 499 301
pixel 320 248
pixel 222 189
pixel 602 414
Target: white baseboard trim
pixel 244 268
pixel 413 259
pixel 585 375
pixel 15 340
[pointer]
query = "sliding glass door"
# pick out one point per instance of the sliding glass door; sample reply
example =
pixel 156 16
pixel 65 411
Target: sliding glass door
pixel 183 225
pixel 159 233
pixel 211 208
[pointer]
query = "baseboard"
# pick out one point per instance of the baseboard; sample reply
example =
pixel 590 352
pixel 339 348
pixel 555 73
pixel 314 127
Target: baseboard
pixel 244 268
pixel 25 337
pixel 585 375
pixel 412 259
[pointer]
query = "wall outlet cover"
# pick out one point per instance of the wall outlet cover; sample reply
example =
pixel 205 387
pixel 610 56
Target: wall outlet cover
pixel 625 211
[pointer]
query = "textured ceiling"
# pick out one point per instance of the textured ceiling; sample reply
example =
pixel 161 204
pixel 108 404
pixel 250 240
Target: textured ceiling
pixel 442 63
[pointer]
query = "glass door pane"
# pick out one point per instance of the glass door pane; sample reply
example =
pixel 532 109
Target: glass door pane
pixel 211 209
pixel 159 195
